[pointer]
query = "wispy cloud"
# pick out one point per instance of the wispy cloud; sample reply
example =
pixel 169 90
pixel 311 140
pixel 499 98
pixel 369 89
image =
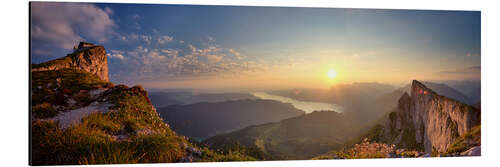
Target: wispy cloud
pixel 472 55
pixel 150 63
pixel 211 39
pixel 109 10
pixel 165 39
pixel 135 16
pixel 146 38
pixel 468 70
pixel 116 54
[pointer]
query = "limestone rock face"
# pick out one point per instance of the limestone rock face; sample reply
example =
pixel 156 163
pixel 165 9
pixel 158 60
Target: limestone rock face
pixel 426 120
pixel 88 57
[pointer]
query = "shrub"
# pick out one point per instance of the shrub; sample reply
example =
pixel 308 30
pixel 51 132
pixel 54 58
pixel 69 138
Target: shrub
pixel 100 121
pixel 367 150
pixel 157 148
pixel 131 126
pixel 44 110
pixel 232 155
pixel 466 141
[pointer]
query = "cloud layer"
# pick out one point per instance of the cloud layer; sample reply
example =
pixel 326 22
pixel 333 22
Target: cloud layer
pixel 185 61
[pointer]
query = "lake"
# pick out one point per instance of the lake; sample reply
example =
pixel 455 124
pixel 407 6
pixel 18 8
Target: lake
pixel 306 106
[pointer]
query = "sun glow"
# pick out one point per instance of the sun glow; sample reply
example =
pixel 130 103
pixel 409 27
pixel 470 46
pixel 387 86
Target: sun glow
pixel 331 73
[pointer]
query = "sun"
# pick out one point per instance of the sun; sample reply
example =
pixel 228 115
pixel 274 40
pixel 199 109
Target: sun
pixel 331 73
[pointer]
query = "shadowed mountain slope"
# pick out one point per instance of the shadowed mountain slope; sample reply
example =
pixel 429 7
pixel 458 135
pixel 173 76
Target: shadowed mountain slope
pixel 202 120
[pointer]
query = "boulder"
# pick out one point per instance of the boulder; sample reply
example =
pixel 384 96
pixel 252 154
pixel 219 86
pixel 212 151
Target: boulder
pixel 474 151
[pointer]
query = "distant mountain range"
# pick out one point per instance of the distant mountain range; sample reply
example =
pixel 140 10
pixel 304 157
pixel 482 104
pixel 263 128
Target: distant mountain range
pixel 440 122
pixel 470 88
pixel 162 99
pixel 206 119
pixel 275 130
pixel 340 93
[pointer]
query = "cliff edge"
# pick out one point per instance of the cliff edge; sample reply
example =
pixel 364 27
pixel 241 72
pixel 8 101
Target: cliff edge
pixel 425 120
pixel 86 56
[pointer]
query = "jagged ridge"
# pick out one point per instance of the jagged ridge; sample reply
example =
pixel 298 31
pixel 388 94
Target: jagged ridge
pixel 428 121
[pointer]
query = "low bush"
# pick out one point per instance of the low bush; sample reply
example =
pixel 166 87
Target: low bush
pixel 44 110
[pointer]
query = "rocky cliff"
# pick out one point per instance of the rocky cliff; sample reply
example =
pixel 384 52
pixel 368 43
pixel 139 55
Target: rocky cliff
pixel 425 120
pixel 86 56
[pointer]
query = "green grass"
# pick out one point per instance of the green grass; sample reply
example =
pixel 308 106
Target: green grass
pixel 44 110
pixel 232 155
pixel 71 79
pixel 462 143
pixel 92 141
pixel 83 145
pixel 62 60
pixel 100 121
pixel 362 150
pixel 51 88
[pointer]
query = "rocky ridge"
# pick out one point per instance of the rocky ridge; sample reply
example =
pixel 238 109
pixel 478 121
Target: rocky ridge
pixel 86 56
pixel 428 121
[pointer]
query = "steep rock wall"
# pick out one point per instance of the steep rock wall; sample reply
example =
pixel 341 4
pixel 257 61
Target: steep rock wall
pixel 428 121
pixel 87 57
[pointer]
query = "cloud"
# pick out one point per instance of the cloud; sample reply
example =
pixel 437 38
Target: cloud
pixel 236 54
pixel 170 52
pixel 145 63
pixel 129 37
pixel 472 55
pixel 469 70
pixel 165 39
pixel 475 68
pixel 135 17
pixel 65 24
pixel 116 54
pixel 211 39
pixel 109 10
pixel 146 38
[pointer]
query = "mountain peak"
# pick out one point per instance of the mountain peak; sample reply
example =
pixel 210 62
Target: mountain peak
pixel 86 56
pixel 418 88
pixel 429 121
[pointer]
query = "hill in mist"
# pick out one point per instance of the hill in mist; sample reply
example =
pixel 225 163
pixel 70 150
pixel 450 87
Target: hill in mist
pixel 162 99
pixel 202 120
pixel 300 137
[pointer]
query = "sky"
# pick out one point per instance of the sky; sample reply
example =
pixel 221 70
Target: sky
pixel 234 47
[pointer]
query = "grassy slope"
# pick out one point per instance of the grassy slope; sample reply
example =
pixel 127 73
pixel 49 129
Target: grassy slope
pixel 63 60
pixel 51 88
pixel 301 137
pixel 466 141
pixel 95 139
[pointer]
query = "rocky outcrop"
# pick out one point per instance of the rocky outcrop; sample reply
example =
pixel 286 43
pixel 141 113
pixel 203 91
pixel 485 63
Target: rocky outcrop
pixel 425 120
pixel 88 57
